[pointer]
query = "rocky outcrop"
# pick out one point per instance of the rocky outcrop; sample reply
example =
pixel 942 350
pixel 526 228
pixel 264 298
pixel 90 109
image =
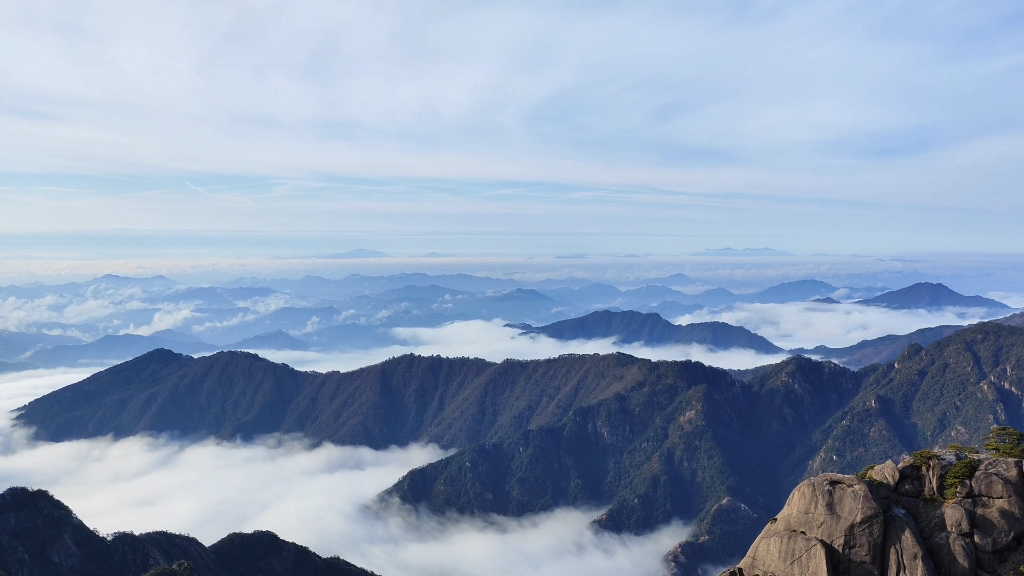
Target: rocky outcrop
pixel 940 513
pixel 836 513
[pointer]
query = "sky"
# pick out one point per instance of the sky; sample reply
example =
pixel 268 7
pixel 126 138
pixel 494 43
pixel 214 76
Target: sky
pixel 525 128
pixel 874 143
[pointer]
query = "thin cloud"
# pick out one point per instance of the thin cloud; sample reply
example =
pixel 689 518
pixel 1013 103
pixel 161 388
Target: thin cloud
pixel 163 320
pixel 886 131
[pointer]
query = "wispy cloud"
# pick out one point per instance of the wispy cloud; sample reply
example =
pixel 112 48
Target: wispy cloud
pixel 791 121
pixel 163 320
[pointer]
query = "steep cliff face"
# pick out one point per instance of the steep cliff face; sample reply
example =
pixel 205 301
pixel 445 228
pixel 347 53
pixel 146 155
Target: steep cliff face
pixel 942 513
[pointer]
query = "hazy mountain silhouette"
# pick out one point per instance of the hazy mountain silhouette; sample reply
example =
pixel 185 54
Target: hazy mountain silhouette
pixel 930 295
pixel 15 345
pixel 876 350
pixel 113 349
pixel 276 340
pixel 15 366
pixel 797 291
pixel 356 254
pixel 887 348
pixel 743 252
pixel 629 327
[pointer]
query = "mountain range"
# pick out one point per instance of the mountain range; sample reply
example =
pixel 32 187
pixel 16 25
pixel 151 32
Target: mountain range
pixel 887 348
pixel 650 441
pixel 40 536
pixel 100 321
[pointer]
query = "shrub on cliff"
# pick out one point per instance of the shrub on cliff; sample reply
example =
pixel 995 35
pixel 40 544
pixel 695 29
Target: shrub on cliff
pixel 960 472
pixel 1005 441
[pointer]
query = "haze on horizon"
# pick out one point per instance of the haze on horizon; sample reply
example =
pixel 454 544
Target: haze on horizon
pixel 510 128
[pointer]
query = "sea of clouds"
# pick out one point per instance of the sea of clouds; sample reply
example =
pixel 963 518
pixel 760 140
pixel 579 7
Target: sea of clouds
pixel 325 496
pixel 491 340
pixel 808 324
pixel 321 497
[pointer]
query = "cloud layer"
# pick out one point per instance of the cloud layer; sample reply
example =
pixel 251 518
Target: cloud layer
pixel 492 341
pixel 808 324
pixel 316 496
pixel 848 126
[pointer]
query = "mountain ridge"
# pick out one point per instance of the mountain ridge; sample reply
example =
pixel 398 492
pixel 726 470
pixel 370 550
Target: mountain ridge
pixel 651 440
pixel 631 327
pixel 40 535
pixel 928 295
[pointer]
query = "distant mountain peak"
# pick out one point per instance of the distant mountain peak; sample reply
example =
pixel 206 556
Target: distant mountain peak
pixel 930 295
pixel 744 252
pixel 650 328
pixel 274 340
pixel 158 280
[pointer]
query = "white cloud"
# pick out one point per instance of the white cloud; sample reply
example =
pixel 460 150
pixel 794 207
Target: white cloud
pixel 263 305
pixel 16 313
pixel 723 121
pixel 163 320
pixel 492 341
pixel 19 388
pixel 1014 299
pixel 240 318
pixel 315 496
pixel 808 324
pixel 88 311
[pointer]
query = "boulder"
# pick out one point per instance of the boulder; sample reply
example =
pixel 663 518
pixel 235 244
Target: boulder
pixel 952 554
pixel 837 510
pixel 1005 468
pixel 992 485
pixel 903 552
pixel 956 519
pixel 886 473
pixel 841 525
pixel 929 516
pixel 985 562
pixel 787 554
pixel 996 522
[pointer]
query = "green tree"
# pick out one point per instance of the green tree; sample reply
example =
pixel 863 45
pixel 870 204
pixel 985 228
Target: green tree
pixel 1005 441
pixel 959 473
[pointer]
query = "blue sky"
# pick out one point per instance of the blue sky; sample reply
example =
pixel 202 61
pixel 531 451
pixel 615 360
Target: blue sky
pixel 530 128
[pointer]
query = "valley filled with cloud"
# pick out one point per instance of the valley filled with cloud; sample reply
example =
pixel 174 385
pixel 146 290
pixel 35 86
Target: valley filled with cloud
pixel 322 496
